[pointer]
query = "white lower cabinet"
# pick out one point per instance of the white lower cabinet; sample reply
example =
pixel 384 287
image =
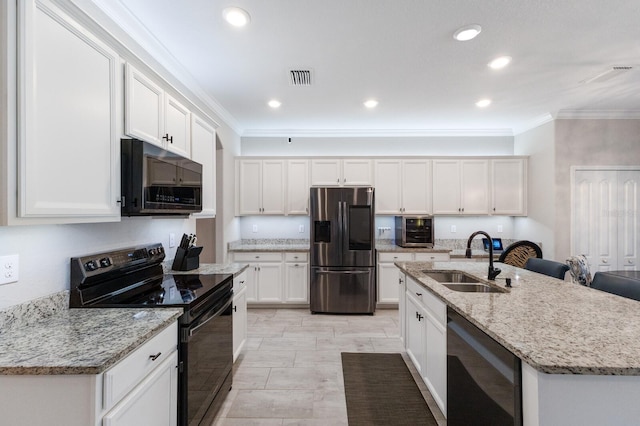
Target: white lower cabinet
pixel 239 313
pixel 426 338
pixel 141 389
pixel 389 291
pixel 152 402
pixel 276 278
pixel 296 288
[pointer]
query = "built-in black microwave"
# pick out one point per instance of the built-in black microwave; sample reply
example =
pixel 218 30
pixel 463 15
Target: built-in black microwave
pixel 155 181
pixel 414 231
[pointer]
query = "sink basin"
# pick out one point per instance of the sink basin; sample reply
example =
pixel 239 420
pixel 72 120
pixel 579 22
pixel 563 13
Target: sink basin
pixel 473 288
pixel 451 277
pixel 459 281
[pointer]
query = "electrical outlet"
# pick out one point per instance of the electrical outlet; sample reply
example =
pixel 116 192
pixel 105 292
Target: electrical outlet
pixel 172 240
pixel 255 228
pixel 499 228
pixel 9 269
pixel 301 229
pixel 453 229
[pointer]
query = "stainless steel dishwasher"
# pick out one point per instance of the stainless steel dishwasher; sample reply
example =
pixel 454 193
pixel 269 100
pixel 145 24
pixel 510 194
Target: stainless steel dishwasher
pixel 484 380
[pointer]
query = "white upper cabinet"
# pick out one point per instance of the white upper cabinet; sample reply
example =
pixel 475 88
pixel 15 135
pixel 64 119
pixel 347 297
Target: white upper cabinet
pixel 144 111
pixel 69 98
pixel 203 151
pixel 177 126
pixel 403 186
pixel 341 172
pixel 154 116
pixel 297 187
pixel 460 187
pixel 509 186
pixel 260 187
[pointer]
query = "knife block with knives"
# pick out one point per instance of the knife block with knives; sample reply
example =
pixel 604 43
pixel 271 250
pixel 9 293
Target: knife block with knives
pixel 187 254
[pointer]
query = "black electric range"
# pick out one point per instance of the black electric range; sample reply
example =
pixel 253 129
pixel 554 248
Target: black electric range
pixel 133 277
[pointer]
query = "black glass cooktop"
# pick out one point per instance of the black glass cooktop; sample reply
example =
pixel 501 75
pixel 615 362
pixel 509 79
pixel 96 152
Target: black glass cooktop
pixel 170 290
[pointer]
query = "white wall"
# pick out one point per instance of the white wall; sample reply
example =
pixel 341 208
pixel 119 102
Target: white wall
pixel 227 225
pixel 378 146
pixel 593 143
pixel 539 225
pixel 45 250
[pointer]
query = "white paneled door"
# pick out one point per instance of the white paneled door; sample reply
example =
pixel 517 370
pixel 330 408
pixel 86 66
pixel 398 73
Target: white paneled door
pixel 605 218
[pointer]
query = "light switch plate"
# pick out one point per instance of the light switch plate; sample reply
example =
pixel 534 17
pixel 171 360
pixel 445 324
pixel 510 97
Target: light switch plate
pixel 453 229
pixel 9 268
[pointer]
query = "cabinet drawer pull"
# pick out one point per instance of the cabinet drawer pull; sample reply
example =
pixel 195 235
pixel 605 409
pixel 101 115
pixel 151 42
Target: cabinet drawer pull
pixel 419 294
pixel 154 357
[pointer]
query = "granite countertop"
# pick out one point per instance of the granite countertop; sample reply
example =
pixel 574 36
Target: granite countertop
pixel 555 326
pixel 270 245
pixel 388 246
pixel 79 341
pixel 209 269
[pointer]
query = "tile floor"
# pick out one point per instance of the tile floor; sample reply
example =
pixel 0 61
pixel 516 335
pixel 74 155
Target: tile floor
pixel 290 372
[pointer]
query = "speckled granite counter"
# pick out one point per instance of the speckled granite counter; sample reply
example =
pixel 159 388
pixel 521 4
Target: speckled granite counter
pixel 210 268
pixel 388 246
pixel 79 341
pixel 270 245
pixel 555 326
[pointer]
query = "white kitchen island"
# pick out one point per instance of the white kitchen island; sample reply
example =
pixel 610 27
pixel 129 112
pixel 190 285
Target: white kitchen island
pixel 579 347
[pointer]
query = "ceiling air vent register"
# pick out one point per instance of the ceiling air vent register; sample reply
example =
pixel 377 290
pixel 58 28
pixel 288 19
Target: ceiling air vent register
pixel 300 77
pixel 611 72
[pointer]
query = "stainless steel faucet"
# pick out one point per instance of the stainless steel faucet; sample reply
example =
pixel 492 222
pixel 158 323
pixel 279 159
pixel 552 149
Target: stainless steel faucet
pixel 493 272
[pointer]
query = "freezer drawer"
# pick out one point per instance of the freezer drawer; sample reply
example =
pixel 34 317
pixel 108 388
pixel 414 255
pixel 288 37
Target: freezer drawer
pixel 342 290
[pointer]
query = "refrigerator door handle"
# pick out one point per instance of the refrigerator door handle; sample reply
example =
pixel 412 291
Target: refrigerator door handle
pixel 344 228
pixel 343 272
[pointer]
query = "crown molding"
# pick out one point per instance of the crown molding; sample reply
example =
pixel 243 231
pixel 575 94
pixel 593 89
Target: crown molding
pixel 354 133
pixel 140 39
pixel 532 124
pixel 595 114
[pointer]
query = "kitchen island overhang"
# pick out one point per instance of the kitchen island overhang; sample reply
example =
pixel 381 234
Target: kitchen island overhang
pixel 580 347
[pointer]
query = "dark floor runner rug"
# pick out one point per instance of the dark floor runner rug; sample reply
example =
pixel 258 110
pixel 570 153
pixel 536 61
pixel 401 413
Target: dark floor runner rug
pixel 380 390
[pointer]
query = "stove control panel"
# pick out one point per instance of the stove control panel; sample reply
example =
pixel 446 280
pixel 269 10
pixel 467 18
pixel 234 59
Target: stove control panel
pixel 98 263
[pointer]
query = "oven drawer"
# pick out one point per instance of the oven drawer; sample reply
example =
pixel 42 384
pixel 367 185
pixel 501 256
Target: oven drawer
pixel 126 374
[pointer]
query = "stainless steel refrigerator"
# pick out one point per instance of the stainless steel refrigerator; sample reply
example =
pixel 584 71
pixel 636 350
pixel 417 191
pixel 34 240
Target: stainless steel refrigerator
pixel 343 263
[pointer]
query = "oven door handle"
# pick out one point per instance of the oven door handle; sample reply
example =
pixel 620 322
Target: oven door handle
pixel 217 314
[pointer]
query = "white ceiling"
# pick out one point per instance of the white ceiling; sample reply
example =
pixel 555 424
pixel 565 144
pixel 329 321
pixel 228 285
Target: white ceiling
pixel 402 53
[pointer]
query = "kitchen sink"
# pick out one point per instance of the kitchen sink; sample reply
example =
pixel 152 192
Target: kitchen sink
pixel 473 288
pixel 459 281
pixel 451 277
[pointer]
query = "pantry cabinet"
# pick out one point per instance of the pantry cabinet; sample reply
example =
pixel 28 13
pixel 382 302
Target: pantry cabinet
pixel 153 115
pixel 69 97
pixel 403 186
pixel 460 187
pixel 260 187
pixel 203 151
pixel 341 172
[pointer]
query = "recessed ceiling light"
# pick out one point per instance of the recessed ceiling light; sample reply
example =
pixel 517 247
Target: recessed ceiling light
pixel 467 32
pixel 500 62
pixel 274 103
pixel 236 16
pixel 371 103
pixel 483 103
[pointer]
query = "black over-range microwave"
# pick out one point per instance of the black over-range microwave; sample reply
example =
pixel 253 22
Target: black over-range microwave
pixel 158 182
